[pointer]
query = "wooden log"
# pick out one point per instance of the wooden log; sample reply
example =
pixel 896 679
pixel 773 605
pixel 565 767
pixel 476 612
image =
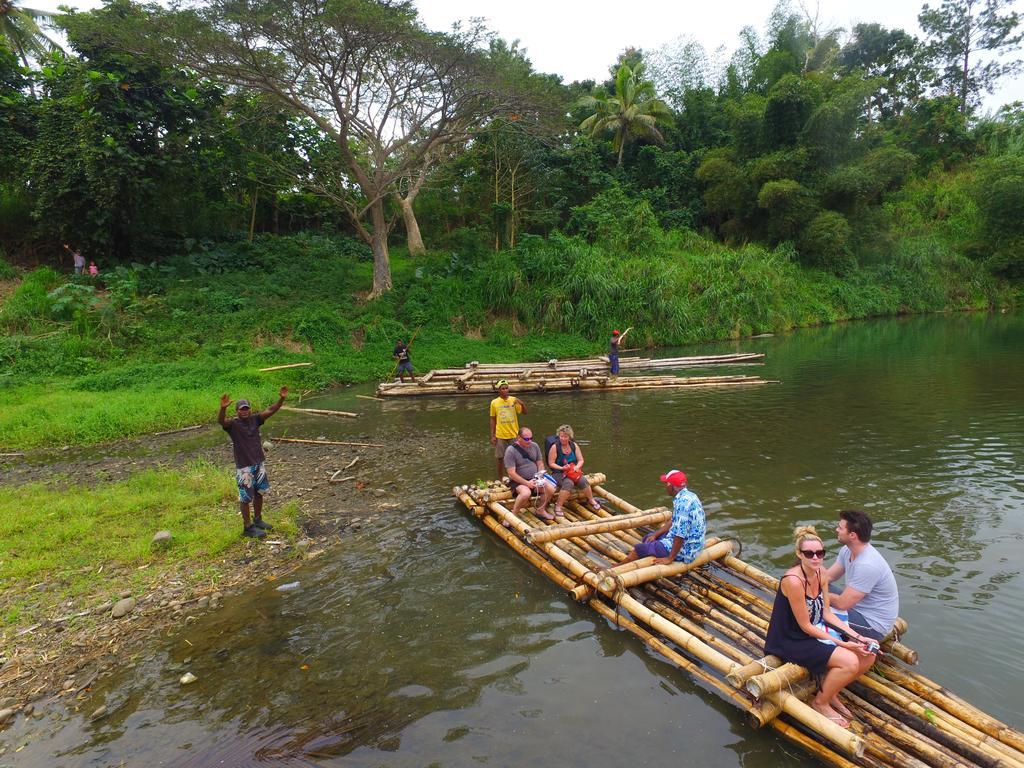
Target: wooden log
pixel 552 533
pixel 612 581
pixel 320 411
pixel 282 367
pixel 323 442
pixel 369 397
pixel 155 434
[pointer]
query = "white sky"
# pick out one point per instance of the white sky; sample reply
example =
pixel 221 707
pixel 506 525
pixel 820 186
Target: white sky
pixel 581 39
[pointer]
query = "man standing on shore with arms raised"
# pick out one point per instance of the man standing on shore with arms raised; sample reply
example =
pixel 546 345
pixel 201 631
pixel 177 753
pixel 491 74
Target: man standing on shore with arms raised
pixel 250 469
pixel 870 597
pixel 505 412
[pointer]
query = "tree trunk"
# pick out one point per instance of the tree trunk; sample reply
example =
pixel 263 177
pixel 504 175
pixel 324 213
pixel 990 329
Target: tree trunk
pixel 412 228
pixel 252 217
pixel 379 245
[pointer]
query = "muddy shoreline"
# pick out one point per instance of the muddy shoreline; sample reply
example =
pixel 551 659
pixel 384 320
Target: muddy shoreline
pixel 67 646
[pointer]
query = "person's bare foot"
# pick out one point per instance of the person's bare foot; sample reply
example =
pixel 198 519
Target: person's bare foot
pixel 831 714
pixel 841 708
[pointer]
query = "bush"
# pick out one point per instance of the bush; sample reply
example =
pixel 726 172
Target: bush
pixel 826 243
pixel 30 303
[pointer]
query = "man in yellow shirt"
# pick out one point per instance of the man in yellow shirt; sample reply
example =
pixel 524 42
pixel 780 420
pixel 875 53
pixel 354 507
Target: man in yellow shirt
pixel 505 412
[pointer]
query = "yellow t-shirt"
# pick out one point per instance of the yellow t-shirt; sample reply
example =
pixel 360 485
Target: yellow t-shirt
pixel 506 417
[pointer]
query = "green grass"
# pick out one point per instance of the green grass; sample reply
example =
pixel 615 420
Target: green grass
pixel 157 347
pixel 82 538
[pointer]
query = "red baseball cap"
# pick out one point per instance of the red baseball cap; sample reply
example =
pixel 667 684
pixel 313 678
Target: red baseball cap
pixel 615 333
pixel 674 476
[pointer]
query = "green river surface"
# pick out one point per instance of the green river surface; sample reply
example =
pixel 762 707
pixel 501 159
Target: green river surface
pixel 429 643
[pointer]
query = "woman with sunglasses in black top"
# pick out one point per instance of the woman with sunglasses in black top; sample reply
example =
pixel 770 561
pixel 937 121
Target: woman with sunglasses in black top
pixel 797 631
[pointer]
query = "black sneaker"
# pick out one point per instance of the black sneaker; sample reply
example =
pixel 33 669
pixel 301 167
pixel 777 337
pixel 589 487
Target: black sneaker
pixel 253 532
pixel 262 525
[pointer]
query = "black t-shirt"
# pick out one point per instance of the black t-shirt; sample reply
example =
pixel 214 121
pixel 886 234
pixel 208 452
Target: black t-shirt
pixel 402 353
pixel 245 440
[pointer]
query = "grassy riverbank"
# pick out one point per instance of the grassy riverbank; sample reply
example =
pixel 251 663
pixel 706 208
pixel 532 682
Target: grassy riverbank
pixel 64 540
pixel 152 346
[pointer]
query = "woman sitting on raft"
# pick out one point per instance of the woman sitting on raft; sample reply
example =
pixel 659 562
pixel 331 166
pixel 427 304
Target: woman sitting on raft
pixel 797 632
pixel 566 461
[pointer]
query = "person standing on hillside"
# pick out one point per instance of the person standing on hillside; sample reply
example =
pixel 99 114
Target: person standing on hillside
pixel 613 350
pixel 250 467
pixel 401 354
pixel 77 258
pixel 504 412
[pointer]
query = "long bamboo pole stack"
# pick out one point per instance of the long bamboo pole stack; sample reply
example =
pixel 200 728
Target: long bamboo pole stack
pixel 709 618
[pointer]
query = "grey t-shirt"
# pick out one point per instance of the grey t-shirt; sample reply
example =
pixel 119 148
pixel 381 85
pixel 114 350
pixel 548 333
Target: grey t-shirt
pixel 526 468
pixel 870 574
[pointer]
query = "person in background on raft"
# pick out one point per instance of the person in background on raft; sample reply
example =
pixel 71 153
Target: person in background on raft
pixel 613 350
pixel 566 461
pixel 682 537
pixel 504 413
pixel 77 258
pixel 797 629
pixel 401 354
pixel 250 467
pixel 871 599
pixel 525 465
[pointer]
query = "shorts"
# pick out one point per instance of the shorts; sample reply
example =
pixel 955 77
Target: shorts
pixel 405 366
pixel 563 483
pixel 501 446
pixel 252 480
pixel 651 549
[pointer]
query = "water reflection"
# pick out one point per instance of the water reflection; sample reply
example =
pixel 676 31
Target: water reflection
pixel 426 642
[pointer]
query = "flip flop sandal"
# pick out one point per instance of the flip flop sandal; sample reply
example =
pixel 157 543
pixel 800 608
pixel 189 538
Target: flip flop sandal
pixel 595 505
pixel 545 515
pixel 559 513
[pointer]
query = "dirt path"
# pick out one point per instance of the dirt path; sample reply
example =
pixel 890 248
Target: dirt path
pixel 69 644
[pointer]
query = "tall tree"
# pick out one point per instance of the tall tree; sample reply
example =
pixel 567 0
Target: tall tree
pixel 957 31
pixel 633 112
pixel 23 28
pixel 387 92
pixel 890 55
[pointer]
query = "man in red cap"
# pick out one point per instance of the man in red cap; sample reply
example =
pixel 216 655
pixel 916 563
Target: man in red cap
pixel 682 537
pixel 613 350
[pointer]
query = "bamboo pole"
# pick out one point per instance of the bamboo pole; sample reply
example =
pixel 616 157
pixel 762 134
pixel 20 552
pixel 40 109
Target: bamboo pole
pixel 738 677
pixel 323 442
pixel 552 533
pixel 320 411
pixel 947 700
pixel 370 397
pixel 282 367
pixel 613 581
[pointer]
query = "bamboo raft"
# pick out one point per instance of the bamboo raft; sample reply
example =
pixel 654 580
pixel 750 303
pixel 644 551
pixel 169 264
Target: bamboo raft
pixel 566 375
pixel 709 618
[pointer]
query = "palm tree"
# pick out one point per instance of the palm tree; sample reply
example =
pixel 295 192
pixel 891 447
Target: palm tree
pixel 633 112
pixel 22 28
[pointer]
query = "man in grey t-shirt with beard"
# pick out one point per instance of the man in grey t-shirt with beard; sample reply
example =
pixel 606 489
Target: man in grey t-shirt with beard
pixel 870 598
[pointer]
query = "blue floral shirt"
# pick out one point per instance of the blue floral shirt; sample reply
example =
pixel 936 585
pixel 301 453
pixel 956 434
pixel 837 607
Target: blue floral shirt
pixel 688 524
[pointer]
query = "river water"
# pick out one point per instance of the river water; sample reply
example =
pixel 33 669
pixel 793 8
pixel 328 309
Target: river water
pixel 425 642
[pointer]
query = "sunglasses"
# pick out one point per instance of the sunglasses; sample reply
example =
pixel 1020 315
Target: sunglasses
pixel 525 439
pixel 812 554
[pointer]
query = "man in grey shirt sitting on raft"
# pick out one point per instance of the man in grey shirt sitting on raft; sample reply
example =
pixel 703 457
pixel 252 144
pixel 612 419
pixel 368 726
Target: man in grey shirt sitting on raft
pixel 870 597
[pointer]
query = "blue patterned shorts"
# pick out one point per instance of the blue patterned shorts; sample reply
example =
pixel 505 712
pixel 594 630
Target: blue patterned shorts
pixel 251 480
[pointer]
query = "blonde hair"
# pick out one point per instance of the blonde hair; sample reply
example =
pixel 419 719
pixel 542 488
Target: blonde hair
pixel 566 429
pixel 802 534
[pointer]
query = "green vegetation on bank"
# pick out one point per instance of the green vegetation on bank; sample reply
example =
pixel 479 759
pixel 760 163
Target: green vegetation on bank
pixel 154 345
pixel 62 534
